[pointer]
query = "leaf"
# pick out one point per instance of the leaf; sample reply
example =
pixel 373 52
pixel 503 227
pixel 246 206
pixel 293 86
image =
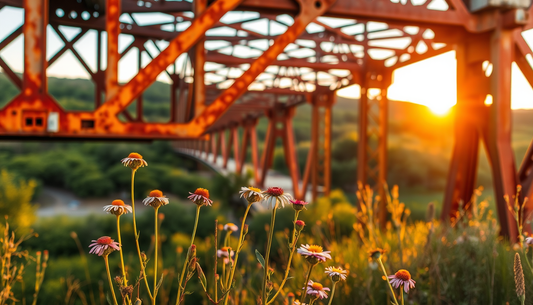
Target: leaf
pixel 260 258
pixel 159 284
pixel 201 276
pixel 189 292
pixel 108 298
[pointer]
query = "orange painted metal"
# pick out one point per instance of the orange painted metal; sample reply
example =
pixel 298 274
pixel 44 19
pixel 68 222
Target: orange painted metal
pixel 113 31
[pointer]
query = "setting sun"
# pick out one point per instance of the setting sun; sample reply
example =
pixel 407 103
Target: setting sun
pixel 432 82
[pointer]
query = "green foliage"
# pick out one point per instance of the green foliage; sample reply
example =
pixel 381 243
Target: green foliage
pixel 15 196
pixel 94 170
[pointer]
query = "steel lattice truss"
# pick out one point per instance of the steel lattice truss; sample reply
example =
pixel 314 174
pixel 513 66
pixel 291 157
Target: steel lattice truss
pixel 229 62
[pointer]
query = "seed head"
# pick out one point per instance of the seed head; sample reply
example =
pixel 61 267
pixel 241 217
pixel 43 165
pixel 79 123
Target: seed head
pixel 519 278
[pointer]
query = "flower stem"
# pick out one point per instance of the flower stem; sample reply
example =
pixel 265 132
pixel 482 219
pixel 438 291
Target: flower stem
pixel 241 241
pixel 401 292
pixel 120 252
pixel 155 251
pixel 110 281
pixel 186 263
pixel 267 255
pixel 332 293
pixel 386 278
pixel 307 278
pixel 143 273
pixel 294 240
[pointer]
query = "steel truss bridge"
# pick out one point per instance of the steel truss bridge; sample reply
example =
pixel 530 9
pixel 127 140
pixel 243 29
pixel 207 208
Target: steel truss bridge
pixel 231 62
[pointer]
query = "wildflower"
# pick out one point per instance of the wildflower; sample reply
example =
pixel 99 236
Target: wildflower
pixel 519 278
pixel 134 161
pixel 376 253
pixel 226 253
pixel 103 246
pixel 231 227
pixel 298 205
pixel 402 278
pixel 529 241
pixel 200 197
pixel 299 224
pixel 117 207
pixel 336 274
pixel 155 199
pixel 251 194
pixel 314 254
pixel 273 194
pixel 316 289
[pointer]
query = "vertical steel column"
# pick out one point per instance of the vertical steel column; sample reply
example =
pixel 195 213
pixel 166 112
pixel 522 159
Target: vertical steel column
pixel 139 105
pixel 199 7
pixel 35 21
pixel 289 150
pixel 226 147
pixel 498 139
pixel 99 80
pixel 113 31
pixel 362 148
pixel 328 120
pixel 234 130
pixel 382 152
pixel 372 145
pixel 472 88
pixel 312 159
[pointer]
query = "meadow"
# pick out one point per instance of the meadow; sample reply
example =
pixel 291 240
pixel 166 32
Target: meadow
pixel 465 262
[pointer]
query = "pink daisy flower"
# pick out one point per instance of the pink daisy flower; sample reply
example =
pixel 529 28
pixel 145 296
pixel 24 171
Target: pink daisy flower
pixel 134 161
pixel 298 205
pixel 117 207
pixel 103 246
pixel 336 273
pixel 155 199
pixel 200 197
pixel 402 278
pixel 274 194
pixel 317 290
pixel 314 251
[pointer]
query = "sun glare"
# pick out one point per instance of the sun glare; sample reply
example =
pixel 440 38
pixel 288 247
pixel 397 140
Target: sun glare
pixel 439 109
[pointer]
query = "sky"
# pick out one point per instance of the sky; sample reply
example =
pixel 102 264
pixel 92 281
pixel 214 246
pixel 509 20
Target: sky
pixel 431 82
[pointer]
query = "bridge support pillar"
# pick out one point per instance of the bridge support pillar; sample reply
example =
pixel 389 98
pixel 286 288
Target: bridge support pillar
pixel 373 129
pixel 491 123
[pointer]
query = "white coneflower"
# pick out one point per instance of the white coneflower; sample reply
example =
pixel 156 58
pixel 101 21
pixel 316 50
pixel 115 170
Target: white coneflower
pixel 117 207
pixel 134 161
pixel 251 194
pixel 336 273
pixel 402 278
pixel 200 197
pixel 274 194
pixel 155 199
pixel 226 253
pixel 529 241
pixel 317 290
pixel 103 246
pixel 231 227
pixel 314 253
